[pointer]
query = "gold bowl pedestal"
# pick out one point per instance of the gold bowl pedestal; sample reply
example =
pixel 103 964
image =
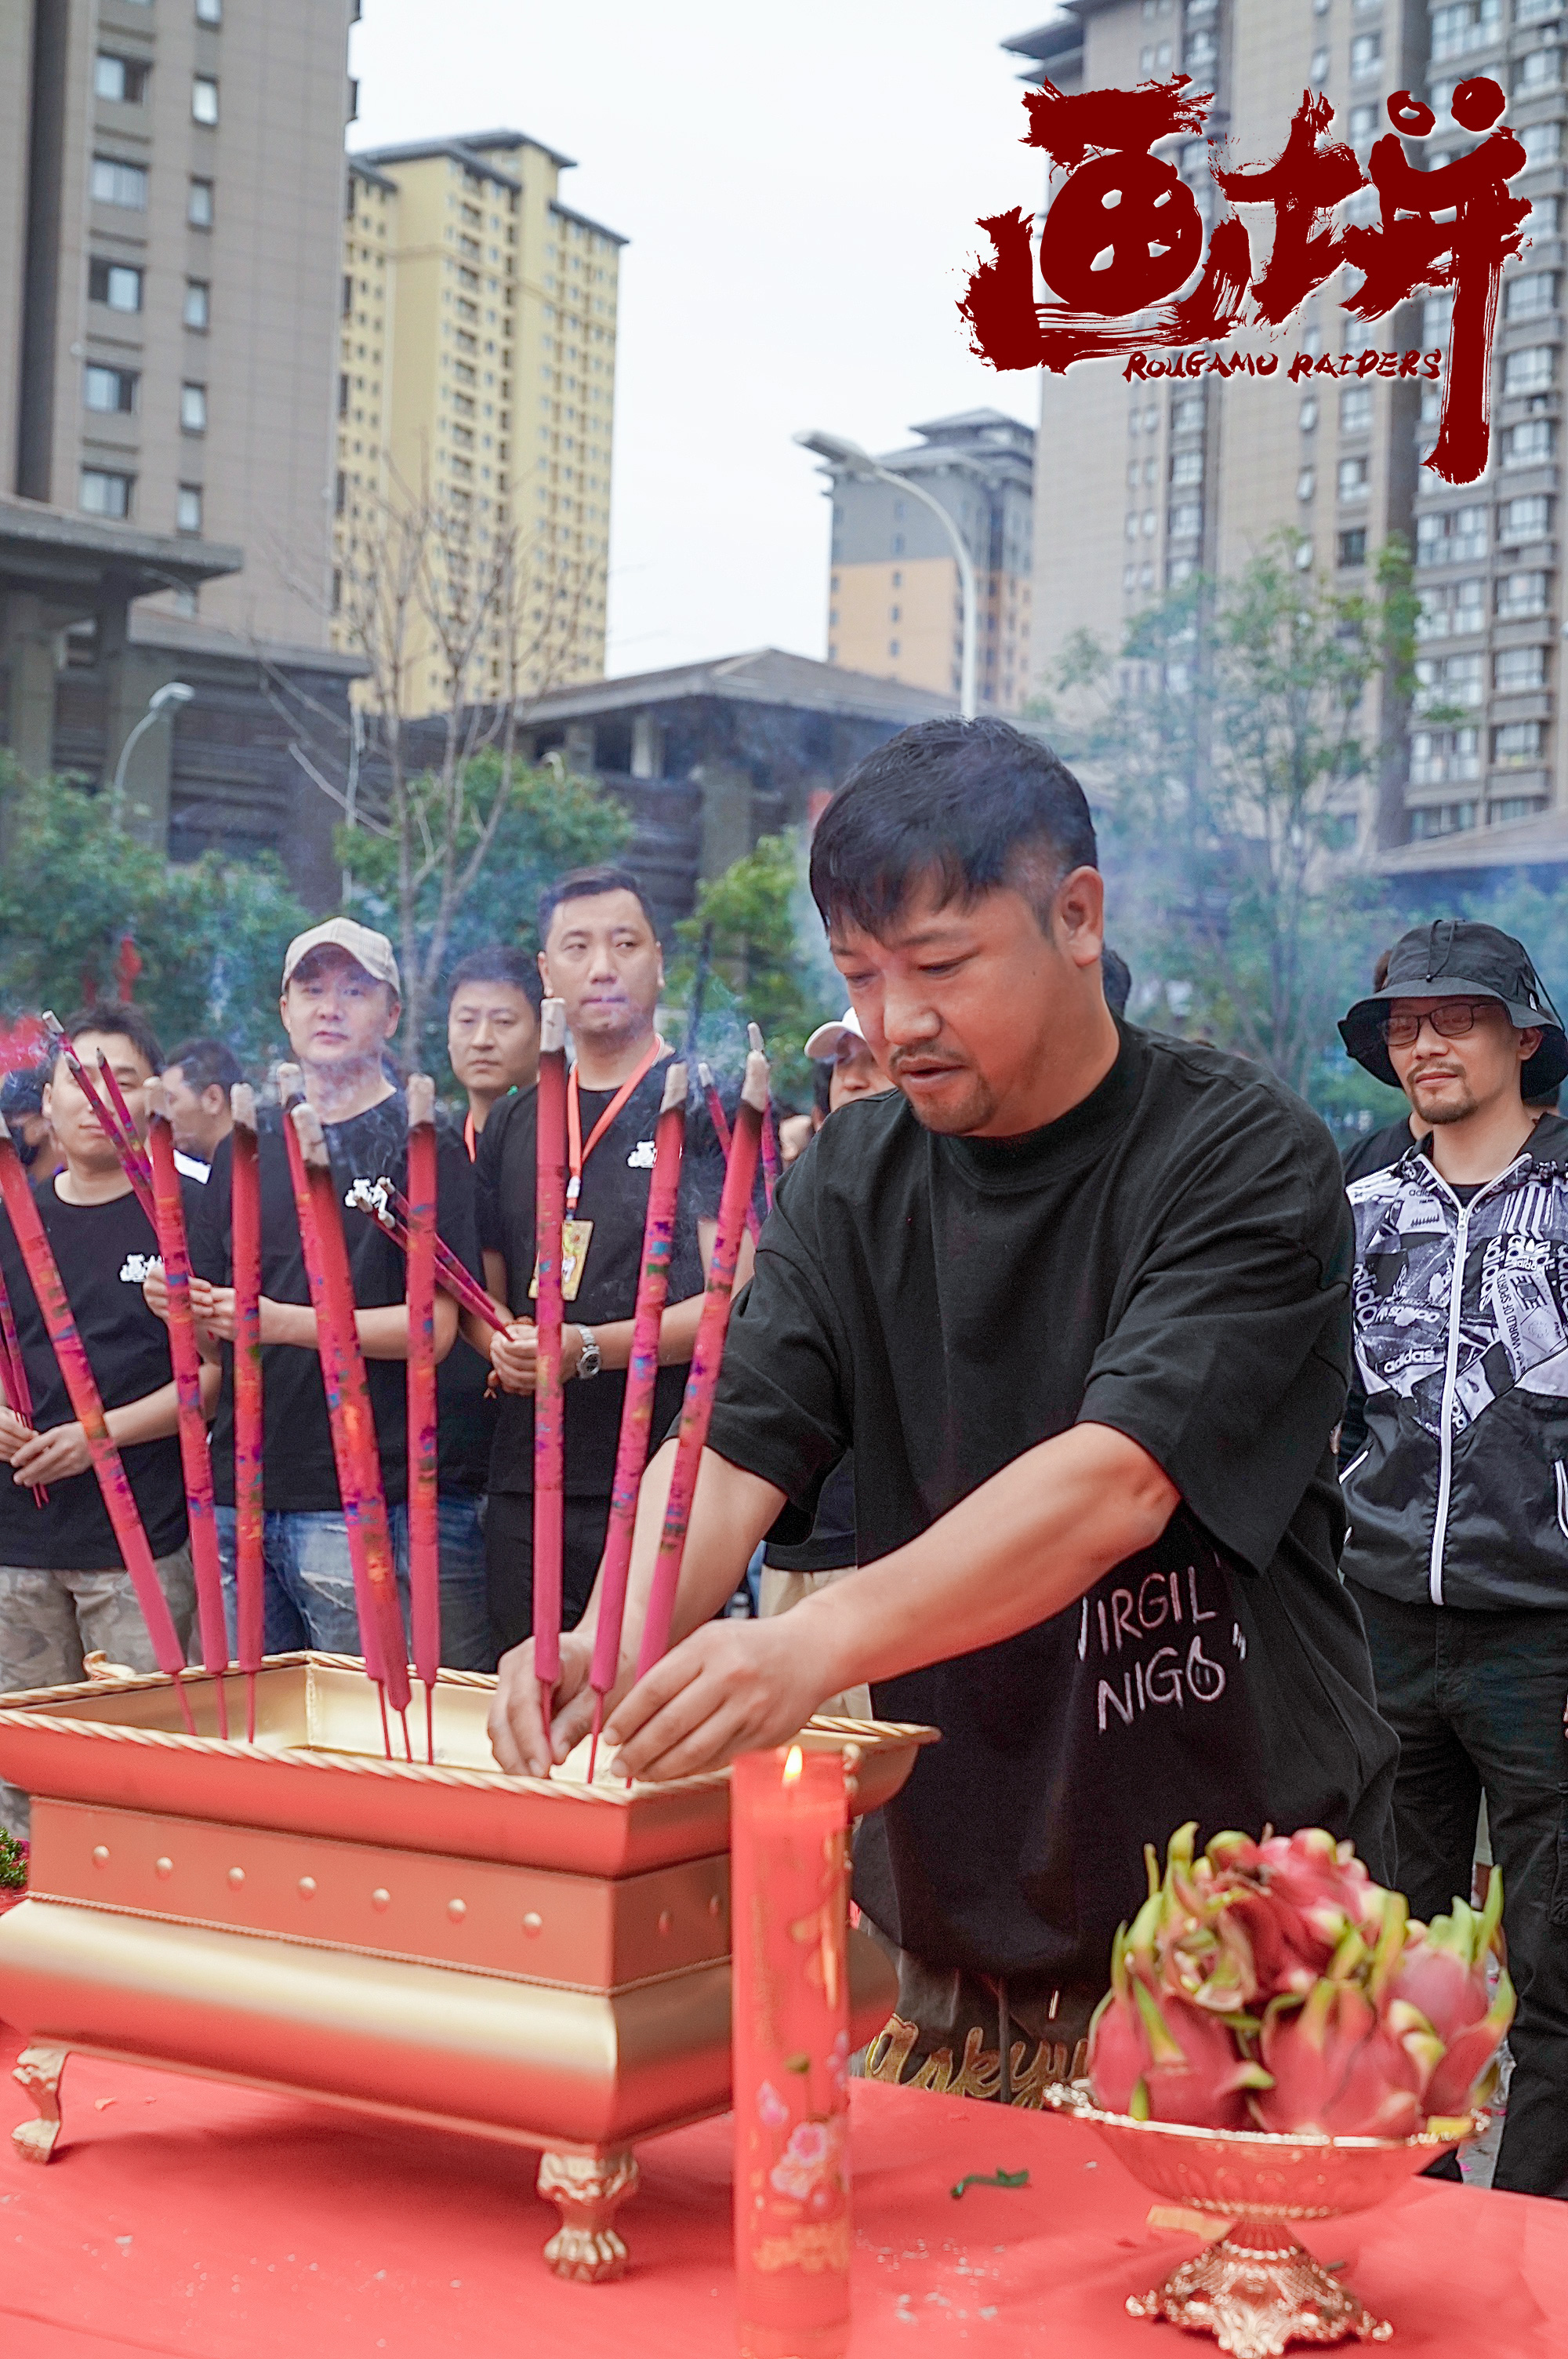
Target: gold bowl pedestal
pixel 1254 2288
pixel 533 1961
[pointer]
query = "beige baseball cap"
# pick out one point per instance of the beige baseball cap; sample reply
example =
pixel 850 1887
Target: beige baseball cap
pixel 372 950
pixel 825 1041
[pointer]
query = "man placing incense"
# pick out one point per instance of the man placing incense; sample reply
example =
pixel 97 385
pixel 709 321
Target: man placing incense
pixel 64 1590
pixel 341 1005
pixel 1076 1296
pixel 601 956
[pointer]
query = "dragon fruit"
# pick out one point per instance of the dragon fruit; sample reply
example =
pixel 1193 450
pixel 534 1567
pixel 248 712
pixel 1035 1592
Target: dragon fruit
pixel 1340 2069
pixel 1442 1970
pixel 1157 2058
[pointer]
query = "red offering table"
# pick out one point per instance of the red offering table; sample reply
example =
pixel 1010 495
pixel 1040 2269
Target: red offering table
pixel 181 2216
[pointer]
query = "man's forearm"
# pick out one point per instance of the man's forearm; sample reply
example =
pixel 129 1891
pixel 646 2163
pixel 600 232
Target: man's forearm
pixel 151 1418
pixel 731 1511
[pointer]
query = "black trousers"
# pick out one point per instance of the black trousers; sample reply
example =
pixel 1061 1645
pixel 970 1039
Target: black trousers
pixel 1477 1702
pixel 509 1561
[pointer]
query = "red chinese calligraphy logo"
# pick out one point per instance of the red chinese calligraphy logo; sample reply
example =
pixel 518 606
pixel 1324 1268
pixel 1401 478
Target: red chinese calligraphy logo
pixel 1124 235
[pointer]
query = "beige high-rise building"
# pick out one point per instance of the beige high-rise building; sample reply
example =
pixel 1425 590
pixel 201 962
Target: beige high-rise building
pixel 169 181
pixel 1137 484
pixel 478 374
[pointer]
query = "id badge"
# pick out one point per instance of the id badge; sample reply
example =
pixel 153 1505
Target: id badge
pixel 575 1237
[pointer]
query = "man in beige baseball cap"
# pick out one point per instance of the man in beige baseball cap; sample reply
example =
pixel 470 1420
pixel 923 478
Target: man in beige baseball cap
pixel 363 944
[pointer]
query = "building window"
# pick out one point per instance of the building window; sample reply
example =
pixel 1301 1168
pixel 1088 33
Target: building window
pixel 342 393
pixel 892 646
pixel 193 410
pixel 1541 142
pixel 1306 483
pixel 203 99
pixel 898 544
pixel 1525 519
pixel 1529 444
pixel 1354 477
pixel 1460 606
pixel 1440 757
pixel 1365 55
pixel 210 12
pixel 1451 535
pixel 1522 593
pixel 1353 545
pixel 118 284
pixel 1529 371
pixel 104 494
pixel 1186 416
pixel 187 507
pixel 1469 24
pixel 114 183
pixel 1449 679
pixel 121 81
pixel 1527 298
pixel 1355 409
pixel 1538 70
pixel 1441 818
pixel 1516 742
pixel 199 205
pixel 1309 413
pixel 197 304
pixel 1187 467
pixel 1520 668
pixel 108 389
pixel 1186 521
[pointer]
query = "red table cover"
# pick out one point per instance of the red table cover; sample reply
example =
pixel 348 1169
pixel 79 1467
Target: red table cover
pixel 182 2216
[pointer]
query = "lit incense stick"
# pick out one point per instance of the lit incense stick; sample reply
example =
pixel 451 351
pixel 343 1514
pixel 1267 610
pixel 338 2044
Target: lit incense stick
pixel 550 1211
pixel 387 1205
pixel 82 1385
pixel 13 1385
pixel 423 1524
pixel 770 1128
pixel 244 1224
pixel 349 1410
pixel 702 1383
pixel 720 1121
pixel 637 1407
pixel 194 1456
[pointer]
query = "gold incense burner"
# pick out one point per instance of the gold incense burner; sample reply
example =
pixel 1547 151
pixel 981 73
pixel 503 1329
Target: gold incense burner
pixel 534 1960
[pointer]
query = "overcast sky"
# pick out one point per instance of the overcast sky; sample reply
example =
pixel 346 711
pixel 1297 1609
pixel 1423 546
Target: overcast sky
pixel 800 186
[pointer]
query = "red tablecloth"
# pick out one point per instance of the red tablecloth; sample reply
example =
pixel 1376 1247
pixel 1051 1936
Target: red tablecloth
pixel 181 2216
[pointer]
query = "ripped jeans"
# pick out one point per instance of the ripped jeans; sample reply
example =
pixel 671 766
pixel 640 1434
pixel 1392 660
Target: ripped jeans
pixel 309 1593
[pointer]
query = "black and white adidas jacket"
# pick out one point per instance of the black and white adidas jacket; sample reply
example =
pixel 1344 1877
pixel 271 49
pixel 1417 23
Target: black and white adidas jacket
pixel 1460 1496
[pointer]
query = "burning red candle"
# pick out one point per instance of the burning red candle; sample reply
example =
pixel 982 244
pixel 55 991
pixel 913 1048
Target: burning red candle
pixel 244 1222
pixel 82 1385
pixel 550 1198
pixel 642 1375
pixel 194 1456
pixel 702 1383
pixel 790 2037
pixel 424 1529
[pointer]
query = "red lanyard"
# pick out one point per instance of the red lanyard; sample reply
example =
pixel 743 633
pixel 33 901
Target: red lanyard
pixel 576 1153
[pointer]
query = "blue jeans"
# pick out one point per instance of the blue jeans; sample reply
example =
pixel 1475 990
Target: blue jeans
pixel 308 1597
pixel 468 1638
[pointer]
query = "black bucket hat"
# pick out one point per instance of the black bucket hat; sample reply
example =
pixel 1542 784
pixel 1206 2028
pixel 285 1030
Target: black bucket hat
pixel 1456 959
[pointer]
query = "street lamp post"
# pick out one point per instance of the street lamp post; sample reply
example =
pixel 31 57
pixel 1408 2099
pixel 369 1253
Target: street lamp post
pixel 167 699
pixel 841 452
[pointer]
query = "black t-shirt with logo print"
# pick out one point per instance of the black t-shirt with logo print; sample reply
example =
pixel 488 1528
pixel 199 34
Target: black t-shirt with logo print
pixel 614 1197
pixel 1171 1258
pixel 104 1253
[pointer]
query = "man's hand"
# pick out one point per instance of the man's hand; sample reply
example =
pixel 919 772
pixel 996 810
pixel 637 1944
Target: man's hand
pixel 51 1457
pixel 14 1431
pixel 518 1737
pixel 513 1356
pixel 211 1306
pixel 731 1686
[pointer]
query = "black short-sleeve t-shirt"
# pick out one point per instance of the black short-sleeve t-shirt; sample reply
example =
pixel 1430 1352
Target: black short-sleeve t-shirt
pixel 614 1197
pixel 299 1470
pixel 1172 1258
pixel 104 1253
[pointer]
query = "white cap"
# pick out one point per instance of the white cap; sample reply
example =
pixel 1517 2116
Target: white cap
pixel 825 1041
pixel 370 949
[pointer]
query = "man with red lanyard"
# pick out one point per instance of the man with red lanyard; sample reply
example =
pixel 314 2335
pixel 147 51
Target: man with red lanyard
pixel 602 957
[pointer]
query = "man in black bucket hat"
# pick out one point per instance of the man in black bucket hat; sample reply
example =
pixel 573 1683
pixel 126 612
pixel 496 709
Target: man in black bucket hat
pixel 1458 1503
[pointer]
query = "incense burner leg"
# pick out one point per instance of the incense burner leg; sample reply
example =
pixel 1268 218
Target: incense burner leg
pixel 587 2191
pixel 39 2071
pixel 1257 2291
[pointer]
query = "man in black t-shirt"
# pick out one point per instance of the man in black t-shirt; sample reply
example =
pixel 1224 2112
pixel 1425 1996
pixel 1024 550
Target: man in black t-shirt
pixel 602 957
pixel 64 1590
pixel 1077 1296
pixel 339 1006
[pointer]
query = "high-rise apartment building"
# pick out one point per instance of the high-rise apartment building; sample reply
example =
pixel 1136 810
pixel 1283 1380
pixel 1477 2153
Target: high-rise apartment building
pixel 894 600
pixel 168 281
pixel 1137 484
pixel 478 372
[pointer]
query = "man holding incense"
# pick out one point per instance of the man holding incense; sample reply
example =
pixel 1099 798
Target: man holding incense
pixel 64 1590
pixel 341 1005
pixel 1077 1295
pixel 602 957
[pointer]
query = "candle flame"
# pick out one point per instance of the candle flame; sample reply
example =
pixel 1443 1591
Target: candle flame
pixel 792 1765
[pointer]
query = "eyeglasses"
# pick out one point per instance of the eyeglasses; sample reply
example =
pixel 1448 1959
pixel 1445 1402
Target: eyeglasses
pixel 1452 1019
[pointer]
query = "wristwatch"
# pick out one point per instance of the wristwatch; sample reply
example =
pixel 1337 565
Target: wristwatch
pixel 589 1361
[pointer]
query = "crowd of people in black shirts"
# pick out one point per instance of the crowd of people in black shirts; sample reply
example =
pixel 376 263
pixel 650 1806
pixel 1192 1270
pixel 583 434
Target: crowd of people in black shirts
pixel 1187 1474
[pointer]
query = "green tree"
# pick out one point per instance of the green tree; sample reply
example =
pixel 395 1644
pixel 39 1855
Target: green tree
pixel 768 960
pixel 1231 736
pixel 210 934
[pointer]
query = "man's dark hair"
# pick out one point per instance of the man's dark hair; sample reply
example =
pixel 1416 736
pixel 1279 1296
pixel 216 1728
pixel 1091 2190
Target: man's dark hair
pixel 1117 977
pixel 121 1021
pixel 499 962
pixel 976 804
pixel 208 1064
pixel 584 884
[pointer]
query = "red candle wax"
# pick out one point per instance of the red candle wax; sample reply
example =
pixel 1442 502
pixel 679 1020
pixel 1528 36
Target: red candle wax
pixel 790 2015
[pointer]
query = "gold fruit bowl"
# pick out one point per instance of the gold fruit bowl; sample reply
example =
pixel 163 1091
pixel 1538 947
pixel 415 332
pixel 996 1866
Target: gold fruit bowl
pixel 1254 2288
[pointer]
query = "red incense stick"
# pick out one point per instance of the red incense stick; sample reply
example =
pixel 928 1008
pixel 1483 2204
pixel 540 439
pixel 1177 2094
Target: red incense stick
pixel 770 1128
pixel 423 1524
pixel 549 1212
pixel 126 1144
pixel 123 1115
pixel 637 1407
pixel 697 1409
pixel 245 1223
pixel 194 1456
pixel 82 1385
pixel 388 1205
pixel 13 1385
pixel 717 1116
pixel 349 1410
